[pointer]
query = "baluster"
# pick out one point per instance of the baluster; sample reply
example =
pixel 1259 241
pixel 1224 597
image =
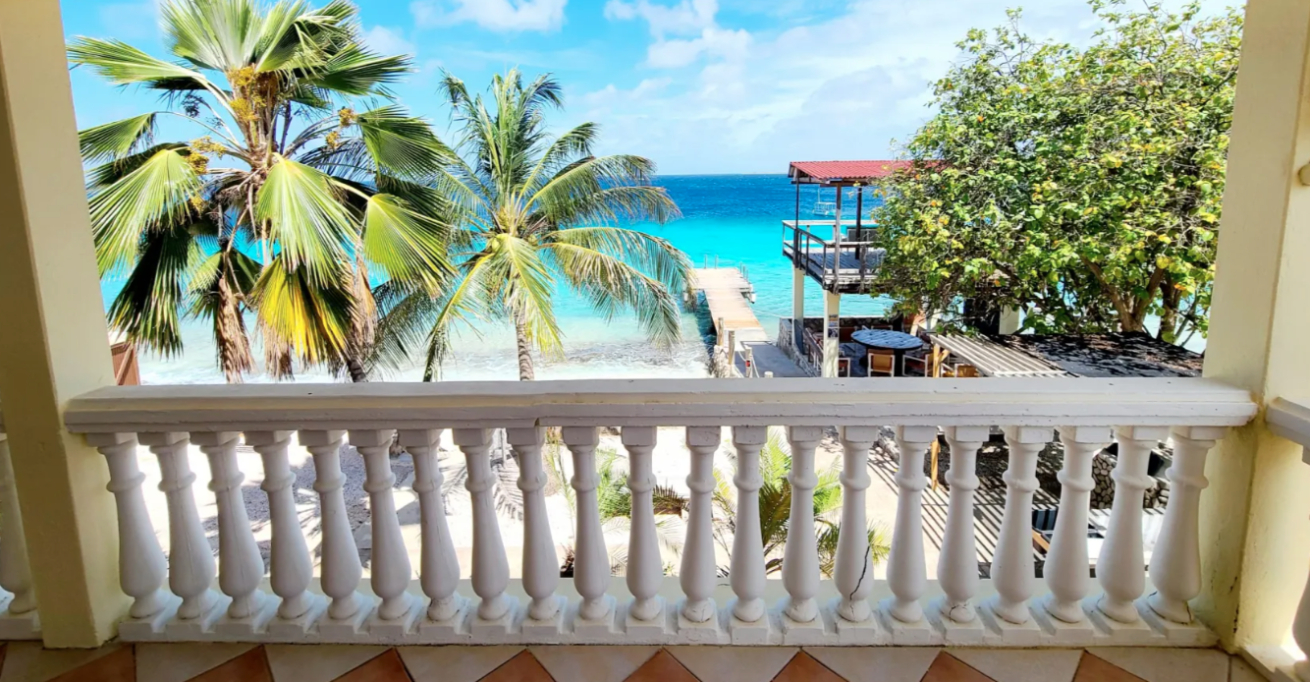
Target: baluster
pixel 1067 565
pixel 438 565
pixel 591 574
pixel 1176 559
pixel 853 571
pixel 15 572
pixel 1012 569
pixel 747 571
pixel 800 563
pixel 540 563
pixel 190 558
pixel 141 563
pixel 340 566
pixel 289 565
pixel 957 569
pixel 698 568
pixel 240 567
pixel 389 569
pixel 490 565
pixel 645 567
pixel 1301 625
pixel 1119 568
pixel 906 573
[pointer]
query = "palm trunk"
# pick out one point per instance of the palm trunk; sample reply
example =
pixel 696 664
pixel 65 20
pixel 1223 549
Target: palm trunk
pixel 230 335
pixel 526 372
pixel 356 370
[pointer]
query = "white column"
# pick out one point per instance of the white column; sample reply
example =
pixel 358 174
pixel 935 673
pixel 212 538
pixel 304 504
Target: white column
pixel 289 566
pixel 957 569
pixel 240 567
pixel 389 570
pixel 854 563
pixel 1012 569
pixel 438 565
pixel 800 563
pixel 591 573
pixel 190 559
pixel 340 566
pixel 798 295
pixel 831 344
pixel 490 565
pixel 141 563
pixel 540 564
pixel 15 572
pixel 747 571
pixel 1120 566
pixel 645 567
pixel 1067 565
pixel 698 567
pixel 1176 559
pixel 906 573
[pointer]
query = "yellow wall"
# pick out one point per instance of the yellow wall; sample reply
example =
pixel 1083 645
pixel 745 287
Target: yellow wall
pixel 53 344
pixel 1254 517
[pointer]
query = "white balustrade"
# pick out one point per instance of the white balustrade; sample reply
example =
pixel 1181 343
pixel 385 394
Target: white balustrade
pixel 853 571
pixel 645 567
pixel 1066 568
pixel 747 571
pixel 240 567
pixel 1012 570
pixel 698 569
pixel 906 572
pixel 341 568
pixel 15 572
pixel 1176 560
pixel 490 565
pixel 168 422
pixel 957 568
pixel 190 560
pixel 800 563
pixel 591 569
pixel 438 566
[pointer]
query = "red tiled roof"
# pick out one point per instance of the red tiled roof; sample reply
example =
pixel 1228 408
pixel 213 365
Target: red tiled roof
pixel 845 171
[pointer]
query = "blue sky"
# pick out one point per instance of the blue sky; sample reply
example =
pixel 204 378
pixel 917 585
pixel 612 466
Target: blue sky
pixel 700 86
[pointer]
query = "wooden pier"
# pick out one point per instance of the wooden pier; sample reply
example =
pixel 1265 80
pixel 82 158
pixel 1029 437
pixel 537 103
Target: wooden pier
pixel 726 292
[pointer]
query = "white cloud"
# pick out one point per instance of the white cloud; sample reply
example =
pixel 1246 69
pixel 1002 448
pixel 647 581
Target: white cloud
pixel 128 20
pixel 731 45
pixel 388 41
pixel 687 17
pixel 494 15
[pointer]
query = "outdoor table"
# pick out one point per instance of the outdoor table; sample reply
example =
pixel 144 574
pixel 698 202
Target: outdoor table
pixel 886 339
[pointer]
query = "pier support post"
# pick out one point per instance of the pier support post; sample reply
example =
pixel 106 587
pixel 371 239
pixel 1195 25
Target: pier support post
pixel 831 332
pixel 798 295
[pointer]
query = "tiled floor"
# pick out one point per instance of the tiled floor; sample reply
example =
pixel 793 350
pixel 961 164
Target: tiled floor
pixel 277 663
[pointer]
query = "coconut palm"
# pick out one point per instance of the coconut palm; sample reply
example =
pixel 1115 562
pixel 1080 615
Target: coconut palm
pixel 532 213
pixel 293 178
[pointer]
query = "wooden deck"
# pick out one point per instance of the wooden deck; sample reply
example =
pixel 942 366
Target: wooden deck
pixel 725 292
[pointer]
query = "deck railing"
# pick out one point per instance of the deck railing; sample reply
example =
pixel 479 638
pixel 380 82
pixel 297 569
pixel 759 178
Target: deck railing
pixel 174 599
pixel 1290 419
pixel 19 619
pixel 822 258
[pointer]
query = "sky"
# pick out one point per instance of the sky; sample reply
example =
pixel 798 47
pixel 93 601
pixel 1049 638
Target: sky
pixel 699 86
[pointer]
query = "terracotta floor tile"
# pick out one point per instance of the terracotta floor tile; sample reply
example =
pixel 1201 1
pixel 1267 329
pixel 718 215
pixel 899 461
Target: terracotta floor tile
pixel 119 666
pixel 251 666
pixel 1093 669
pixel 948 668
pixel 803 668
pixel 522 668
pixel 662 667
pixel 385 668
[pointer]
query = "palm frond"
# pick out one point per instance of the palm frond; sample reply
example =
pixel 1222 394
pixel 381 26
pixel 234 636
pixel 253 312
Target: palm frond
pixel 122 64
pixel 403 145
pixel 650 253
pixel 146 310
pixel 605 189
pixel 311 226
pixel 113 141
pixel 301 315
pixel 405 243
pixel 356 71
pixel 212 34
pixel 518 271
pixel 156 193
pixel 612 286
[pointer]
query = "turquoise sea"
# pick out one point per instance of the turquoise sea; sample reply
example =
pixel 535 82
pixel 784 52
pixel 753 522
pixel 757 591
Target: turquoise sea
pixel 734 218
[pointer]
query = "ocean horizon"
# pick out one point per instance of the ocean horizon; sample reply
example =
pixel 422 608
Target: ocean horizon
pixel 734 219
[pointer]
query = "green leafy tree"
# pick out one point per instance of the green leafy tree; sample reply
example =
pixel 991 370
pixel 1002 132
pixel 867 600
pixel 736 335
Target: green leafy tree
pixel 285 199
pixel 1082 185
pixel 529 208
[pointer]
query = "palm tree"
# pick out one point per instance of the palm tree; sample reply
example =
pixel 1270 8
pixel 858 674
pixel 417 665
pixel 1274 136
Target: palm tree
pixel 530 208
pixel 283 202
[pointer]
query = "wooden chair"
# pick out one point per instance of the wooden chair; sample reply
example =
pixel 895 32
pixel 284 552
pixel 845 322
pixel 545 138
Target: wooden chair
pixel 843 367
pixel 916 365
pixel 881 363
